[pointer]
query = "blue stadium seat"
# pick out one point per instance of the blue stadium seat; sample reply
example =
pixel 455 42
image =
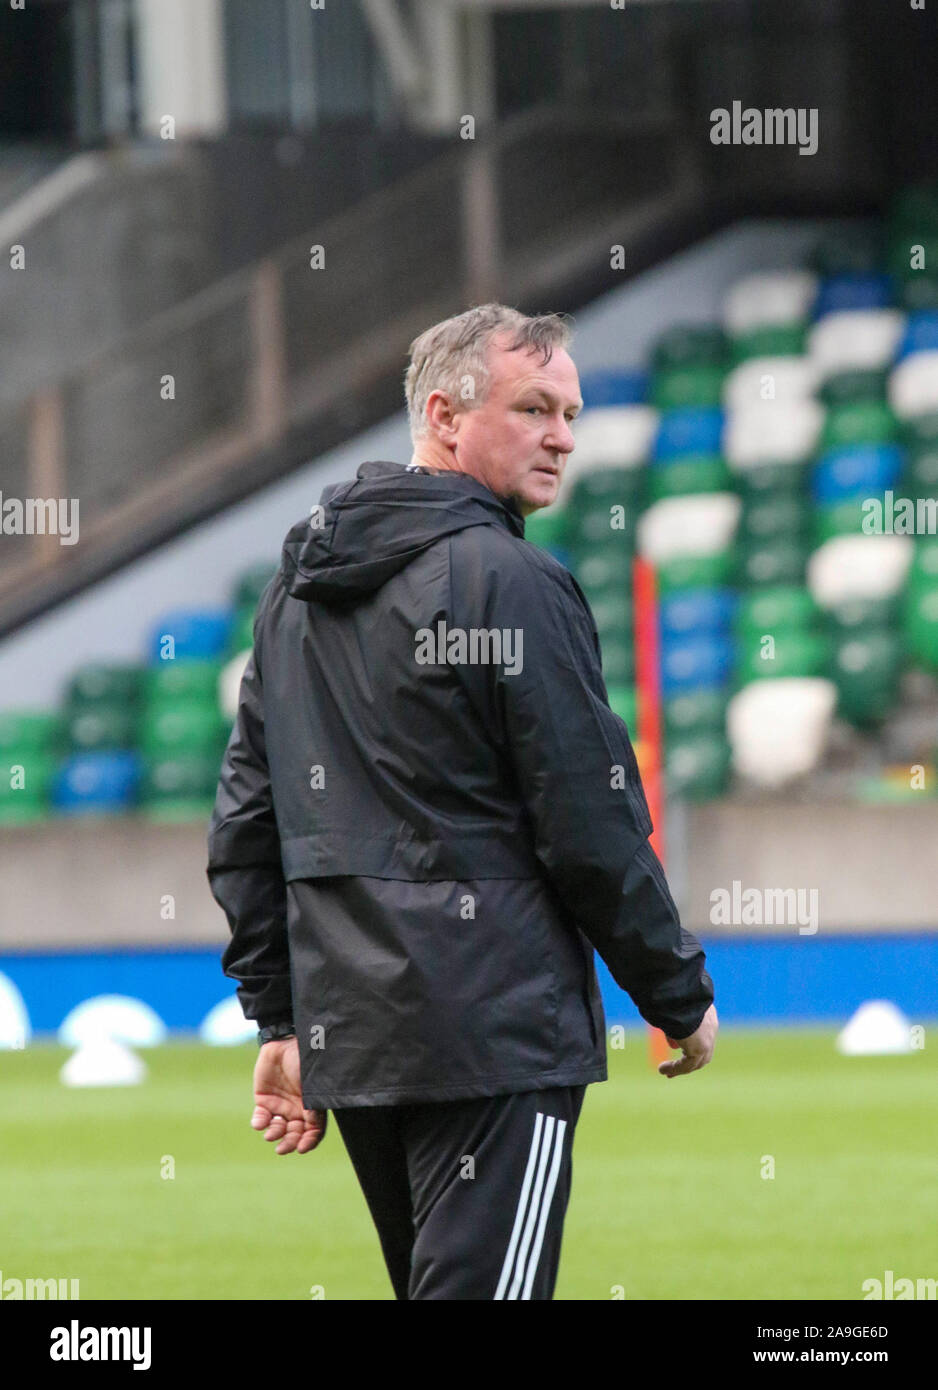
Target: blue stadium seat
pixel 921 334
pixel 97 782
pixel 696 663
pixel 197 633
pixel 617 386
pixel 696 611
pixel 691 431
pixel 854 291
pixel 861 468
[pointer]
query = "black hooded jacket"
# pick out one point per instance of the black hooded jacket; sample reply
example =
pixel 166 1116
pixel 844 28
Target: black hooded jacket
pixel 428 815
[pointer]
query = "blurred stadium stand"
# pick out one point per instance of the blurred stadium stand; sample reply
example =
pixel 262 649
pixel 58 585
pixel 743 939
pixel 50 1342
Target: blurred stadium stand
pixel 758 348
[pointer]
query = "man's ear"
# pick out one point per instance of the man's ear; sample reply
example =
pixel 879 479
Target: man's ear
pixel 442 419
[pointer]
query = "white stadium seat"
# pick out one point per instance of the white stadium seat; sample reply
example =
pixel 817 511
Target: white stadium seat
pixel 768 299
pixel 778 728
pixel 913 385
pixel 851 567
pixel 762 379
pixel 699 524
pixel 855 340
pixel 772 432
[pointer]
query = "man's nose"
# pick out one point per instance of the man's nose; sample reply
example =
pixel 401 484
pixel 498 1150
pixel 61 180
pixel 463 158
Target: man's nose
pixel 560 437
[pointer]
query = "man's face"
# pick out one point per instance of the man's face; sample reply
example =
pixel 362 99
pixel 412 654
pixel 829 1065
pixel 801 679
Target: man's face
pixel 517 441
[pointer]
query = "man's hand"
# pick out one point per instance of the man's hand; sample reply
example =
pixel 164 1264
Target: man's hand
pixel 278 1100
pixel 697 1049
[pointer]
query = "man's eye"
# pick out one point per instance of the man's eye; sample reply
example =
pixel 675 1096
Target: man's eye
pixel 535 408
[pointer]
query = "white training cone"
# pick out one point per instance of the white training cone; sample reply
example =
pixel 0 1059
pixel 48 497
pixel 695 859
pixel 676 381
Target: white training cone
pixel 112 1016
pixel 226 1026
pixel 103 1062
pixel 876 1027
pixel 15 1030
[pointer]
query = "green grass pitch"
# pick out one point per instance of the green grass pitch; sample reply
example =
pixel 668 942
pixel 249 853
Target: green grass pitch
pixel 669 1201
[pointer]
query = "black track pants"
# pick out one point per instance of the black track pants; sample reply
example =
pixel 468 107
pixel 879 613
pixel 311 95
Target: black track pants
pixel 468 1196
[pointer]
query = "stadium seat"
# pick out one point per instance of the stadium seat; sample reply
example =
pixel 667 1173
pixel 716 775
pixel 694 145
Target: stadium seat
pixel 855 340
pixel 696 611
pixel 853 567
pixel 859 422
pixel 782 653
pixel 691 386
pixel 689 473
pixel 703 661
pixel 96 783
pixel 768 300
pixel 864 469
pixel 191 633
pixel 614 386
pixel 252 583
pixel 866 666
pixel 695 711
pixel 921 335
pixel 688 432
pixel 690 345
pixel 913 385
pixel 854 290
pixel 181 680
pixel 761 379
pixel 774 340
pixel 229 685
pixel 772 432
pixel 778 729
pixel 703 524
pixel 771 562
pixel 101 725
pixel 697 764
pixel 107 684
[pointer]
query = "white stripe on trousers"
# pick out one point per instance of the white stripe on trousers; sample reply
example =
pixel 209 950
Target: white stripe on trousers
pixel 544 1131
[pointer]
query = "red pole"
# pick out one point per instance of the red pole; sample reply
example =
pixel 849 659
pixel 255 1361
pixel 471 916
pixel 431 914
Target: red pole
pixel 650 727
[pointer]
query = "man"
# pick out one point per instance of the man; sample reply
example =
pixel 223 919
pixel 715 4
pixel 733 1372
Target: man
pixel 428 816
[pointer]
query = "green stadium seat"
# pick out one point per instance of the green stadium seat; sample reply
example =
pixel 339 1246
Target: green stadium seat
pixel 920 624
pixel 190 726
pixel 690 345
pixel 623 702
pixel 101 725
pixel 179 788
pixel 109 685
pixel 854 386
pixel 843 518
pixel 694 712
pixel 546 528
pixel 692 385
pixel 242 631
pixel 691 473
pixel 181 680
pixel 779 560
pixel 796 652
pixel 252 583
pixel 862 422
pixel 697 765
pixel 780 514
pixel 618 661
pixel 775 607
pixel 866 667
pixel 713 571
pixel 772 340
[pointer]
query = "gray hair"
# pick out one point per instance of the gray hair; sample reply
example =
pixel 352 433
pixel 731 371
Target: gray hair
pixel 451 355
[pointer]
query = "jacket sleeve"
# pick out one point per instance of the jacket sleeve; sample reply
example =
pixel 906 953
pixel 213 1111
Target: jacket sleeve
pixel 578 778
pixel 244 870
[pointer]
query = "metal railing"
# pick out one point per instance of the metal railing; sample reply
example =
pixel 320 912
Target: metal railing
pixel 154 425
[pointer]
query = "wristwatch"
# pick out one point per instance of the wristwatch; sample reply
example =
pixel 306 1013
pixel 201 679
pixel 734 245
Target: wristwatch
pixel 274 1032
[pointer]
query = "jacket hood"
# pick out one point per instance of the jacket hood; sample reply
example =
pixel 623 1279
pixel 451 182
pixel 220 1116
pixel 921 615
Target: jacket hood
pixel 376 524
